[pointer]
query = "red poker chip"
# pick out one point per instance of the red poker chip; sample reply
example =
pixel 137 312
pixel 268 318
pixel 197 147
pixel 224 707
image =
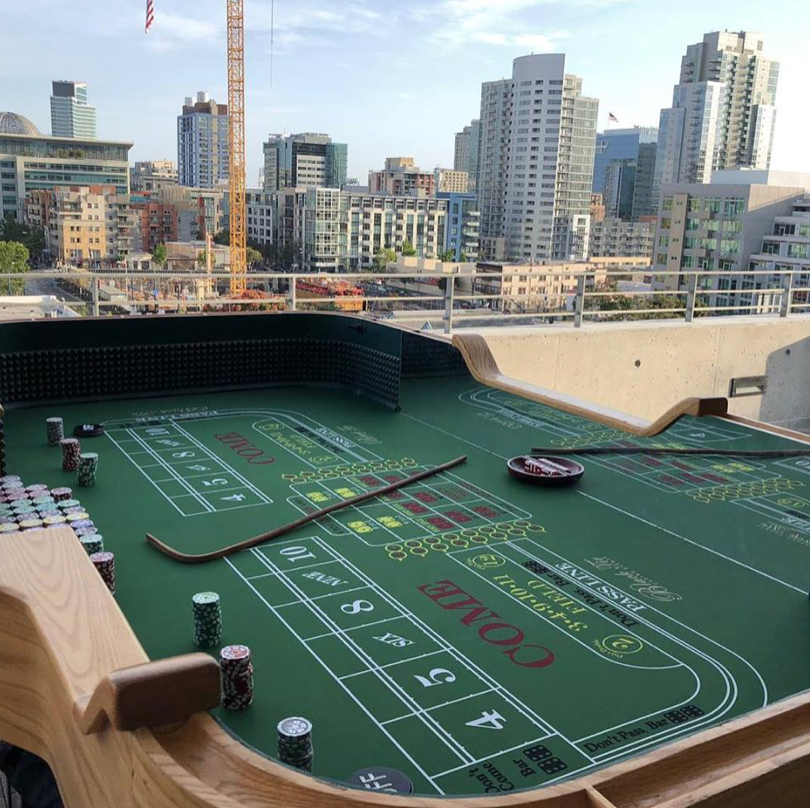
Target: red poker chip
pixel 234 653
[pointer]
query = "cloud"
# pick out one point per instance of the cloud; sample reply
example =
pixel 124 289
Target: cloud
pixel 311 17
pixel 172 30
pixel 495 22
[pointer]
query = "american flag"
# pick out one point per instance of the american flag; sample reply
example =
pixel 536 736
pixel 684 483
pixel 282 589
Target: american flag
pixel 611 117
pixel 150 14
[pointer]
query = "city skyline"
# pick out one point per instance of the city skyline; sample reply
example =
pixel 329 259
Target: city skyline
pixel 388 79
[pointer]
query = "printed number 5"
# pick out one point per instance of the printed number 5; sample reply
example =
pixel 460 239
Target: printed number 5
pixel 438 676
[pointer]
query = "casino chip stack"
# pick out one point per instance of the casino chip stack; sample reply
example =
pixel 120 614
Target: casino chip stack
pixel 88 467
pixel 92 544
pixel 56 430
pixel 295 743
pixel 207 619
pixel 105 564
pixel 71 452
pixel 237 677
pixel 61 494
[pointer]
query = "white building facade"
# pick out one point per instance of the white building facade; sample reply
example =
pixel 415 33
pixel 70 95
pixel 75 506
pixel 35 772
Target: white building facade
pixel 538 140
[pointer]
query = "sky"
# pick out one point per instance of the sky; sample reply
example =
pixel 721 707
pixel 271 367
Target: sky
pixel 388 77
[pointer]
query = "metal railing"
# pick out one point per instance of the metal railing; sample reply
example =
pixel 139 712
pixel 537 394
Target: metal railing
pixel 450 300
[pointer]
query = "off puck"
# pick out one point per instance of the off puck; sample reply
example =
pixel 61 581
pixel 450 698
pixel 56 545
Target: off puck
pixel 381 778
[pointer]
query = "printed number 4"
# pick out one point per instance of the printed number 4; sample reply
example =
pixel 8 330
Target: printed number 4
pixel 488 720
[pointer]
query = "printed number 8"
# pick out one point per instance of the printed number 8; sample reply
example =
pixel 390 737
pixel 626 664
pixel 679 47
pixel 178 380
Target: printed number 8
pixel 357 606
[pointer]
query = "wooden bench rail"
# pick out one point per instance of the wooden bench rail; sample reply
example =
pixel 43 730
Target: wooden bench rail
pixel 152 694
pixel 64 641
pixel 482 365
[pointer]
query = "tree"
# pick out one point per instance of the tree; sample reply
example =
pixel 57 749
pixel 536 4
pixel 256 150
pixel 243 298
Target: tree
pixel 447 255
pixel 202 259
pixel 13 261
pixel 407 249
pixel 223 238
pixel 382 258
pixel 289 254
pixel 464 258
pixel 32 237
pixel 623 307
pixel 253 256
pixel 160 256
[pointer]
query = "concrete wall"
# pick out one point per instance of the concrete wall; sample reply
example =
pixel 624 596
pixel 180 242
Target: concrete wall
pixel 644 368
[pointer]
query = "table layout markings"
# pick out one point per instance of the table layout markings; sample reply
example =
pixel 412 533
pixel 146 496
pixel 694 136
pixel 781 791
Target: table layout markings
pixel 438 706
pixel 398 662
pixel 364 657
pixel 471 667
pixel 731 683
pixel 695 543
pixel 175 476
pixel 243 480
pixel 336 679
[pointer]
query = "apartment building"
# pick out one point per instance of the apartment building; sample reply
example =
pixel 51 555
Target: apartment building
pixel 450 181
pixel 462 230
pixel 722 114
pixel 401 177
pixel 149 175
pixel 786 247
pixel 614 237
pixel 203 145
pixel 465 152
pixel 89 227
pixel 154 223
pixel 329 230
pixel 719 226
pixel 538 138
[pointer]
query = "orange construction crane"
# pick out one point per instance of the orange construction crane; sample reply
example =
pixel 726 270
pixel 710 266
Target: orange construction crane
pixel 236 112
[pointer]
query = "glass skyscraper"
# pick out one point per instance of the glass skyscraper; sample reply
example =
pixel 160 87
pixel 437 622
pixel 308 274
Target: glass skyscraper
pixel 71 115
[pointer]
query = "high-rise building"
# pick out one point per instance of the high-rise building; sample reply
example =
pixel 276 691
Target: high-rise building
pixel 71 115
pixel 624 169
pixel 537 143
pixel 465 154
pixel 203 146
pixel 619 144
pixel 451 181
pixel 30 161
pixel 722 114
pixel 306 160
pixel 493 162
pixel 402 177
pixel 628 185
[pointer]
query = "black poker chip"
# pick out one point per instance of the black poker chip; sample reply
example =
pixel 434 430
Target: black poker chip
pixel 381 778
pixel 88 430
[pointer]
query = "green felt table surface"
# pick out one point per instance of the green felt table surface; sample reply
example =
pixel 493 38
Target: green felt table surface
pixel 479 634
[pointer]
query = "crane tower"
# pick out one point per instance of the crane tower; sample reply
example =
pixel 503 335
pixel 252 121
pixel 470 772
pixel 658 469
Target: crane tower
pixel 236 111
